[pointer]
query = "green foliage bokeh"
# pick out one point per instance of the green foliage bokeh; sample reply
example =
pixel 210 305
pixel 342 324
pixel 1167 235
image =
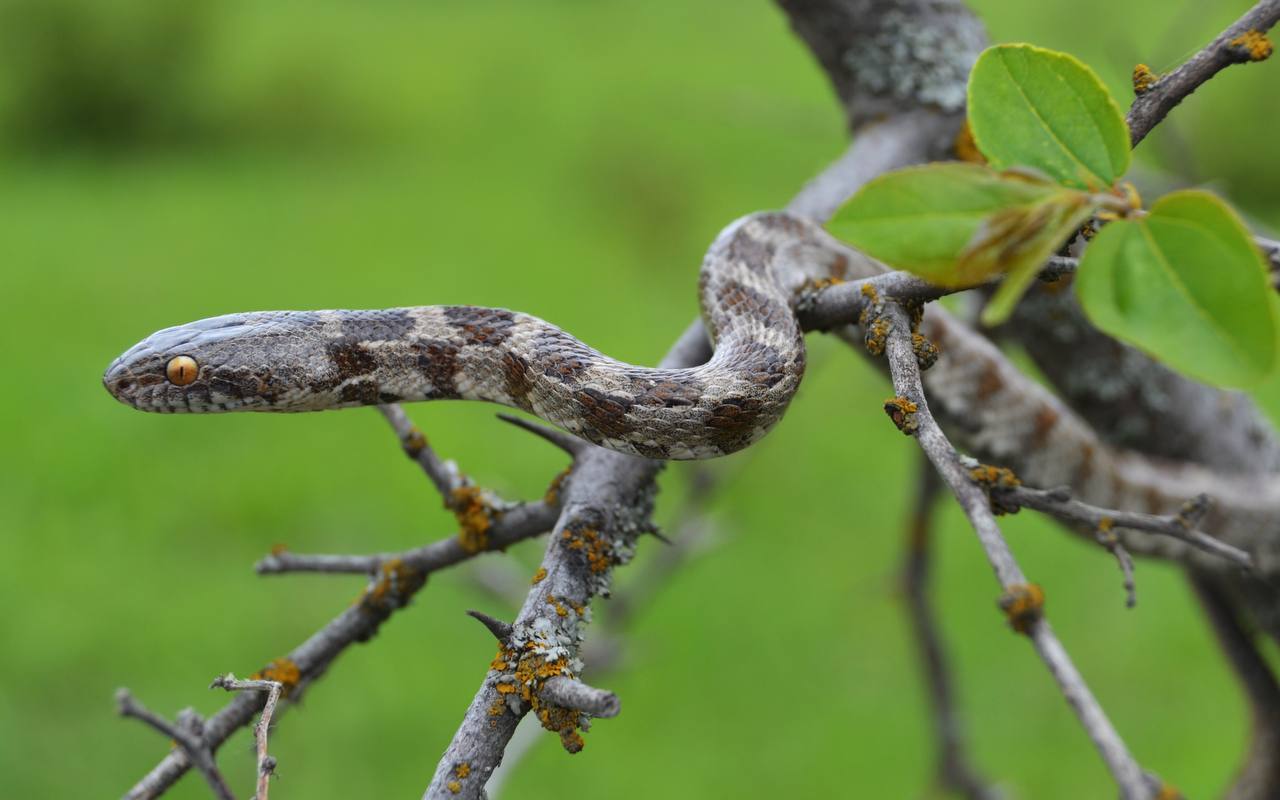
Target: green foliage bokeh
pixel 571 160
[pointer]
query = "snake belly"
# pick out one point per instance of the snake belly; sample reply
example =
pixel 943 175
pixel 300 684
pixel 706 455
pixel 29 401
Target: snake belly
pixel 315 360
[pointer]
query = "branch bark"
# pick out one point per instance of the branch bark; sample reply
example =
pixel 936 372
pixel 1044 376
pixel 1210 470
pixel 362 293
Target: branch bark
pixel 1232 46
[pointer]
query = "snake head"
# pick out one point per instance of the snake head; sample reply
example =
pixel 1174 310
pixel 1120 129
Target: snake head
pixel 251 362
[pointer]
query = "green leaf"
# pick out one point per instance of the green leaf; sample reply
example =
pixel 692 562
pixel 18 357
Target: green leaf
pixel 1187 285
pixel 959 224
pixel 1046 110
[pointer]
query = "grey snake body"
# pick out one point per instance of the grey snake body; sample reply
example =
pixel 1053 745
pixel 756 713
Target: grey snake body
pixel 316 360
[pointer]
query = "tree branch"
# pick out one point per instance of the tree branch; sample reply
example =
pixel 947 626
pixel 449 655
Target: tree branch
pixel 521 522
pixel 1238 44
pixel 606 508
pixel 1022 601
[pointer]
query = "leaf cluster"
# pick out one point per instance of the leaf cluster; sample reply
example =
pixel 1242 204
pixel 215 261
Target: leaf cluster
pixel 1183 280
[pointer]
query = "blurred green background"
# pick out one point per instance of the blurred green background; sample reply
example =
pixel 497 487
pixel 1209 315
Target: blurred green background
pixel 164 161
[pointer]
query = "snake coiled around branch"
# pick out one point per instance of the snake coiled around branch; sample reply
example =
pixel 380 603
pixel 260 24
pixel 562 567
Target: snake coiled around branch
pixel 317 360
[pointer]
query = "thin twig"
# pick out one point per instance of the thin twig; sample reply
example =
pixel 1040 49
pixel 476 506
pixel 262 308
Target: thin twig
pixel 825 307
pixel 1022 601
pixel 520 522
pixel 1152 104
pixel 1059 503
pixel 955 772
pixel 566 442
pixel 266 764
pixel 1108 539
pixel 444 474
pixel 188 734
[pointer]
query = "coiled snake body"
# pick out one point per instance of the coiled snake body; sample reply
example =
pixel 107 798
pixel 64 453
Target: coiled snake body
pixel 315 360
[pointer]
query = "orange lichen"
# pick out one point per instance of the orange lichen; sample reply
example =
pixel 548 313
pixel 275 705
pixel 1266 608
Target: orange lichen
pixel 876 336
pixel 523 678
pixel 415 441
pixel 994 477
pixel 538 576
pixel 475 517
pixel 1023 605
pixel 279 549
pixel 1253 44
pixel 1168 792
pixel 903 413
pixel 552 495
pixel 965 148
pixel 462 770
pixel 396 583
pixel 282 671
pixel 597 549
pixel 869 292
pixel 926 352
pixel 823 283
pixel 561 611
pixel 1143 79
pixel 454 786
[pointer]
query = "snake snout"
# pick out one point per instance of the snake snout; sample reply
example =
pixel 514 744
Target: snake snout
pixel 139 383
pixel 120 381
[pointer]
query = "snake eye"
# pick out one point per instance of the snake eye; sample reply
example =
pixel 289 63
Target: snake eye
pixel 181 370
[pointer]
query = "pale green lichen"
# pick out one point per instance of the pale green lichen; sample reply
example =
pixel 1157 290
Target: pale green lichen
pixel 923 64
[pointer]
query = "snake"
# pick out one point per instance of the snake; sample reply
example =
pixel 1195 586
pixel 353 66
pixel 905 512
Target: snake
pixel 292 361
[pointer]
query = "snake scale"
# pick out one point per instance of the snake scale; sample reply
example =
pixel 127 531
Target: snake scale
pixel 317 360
